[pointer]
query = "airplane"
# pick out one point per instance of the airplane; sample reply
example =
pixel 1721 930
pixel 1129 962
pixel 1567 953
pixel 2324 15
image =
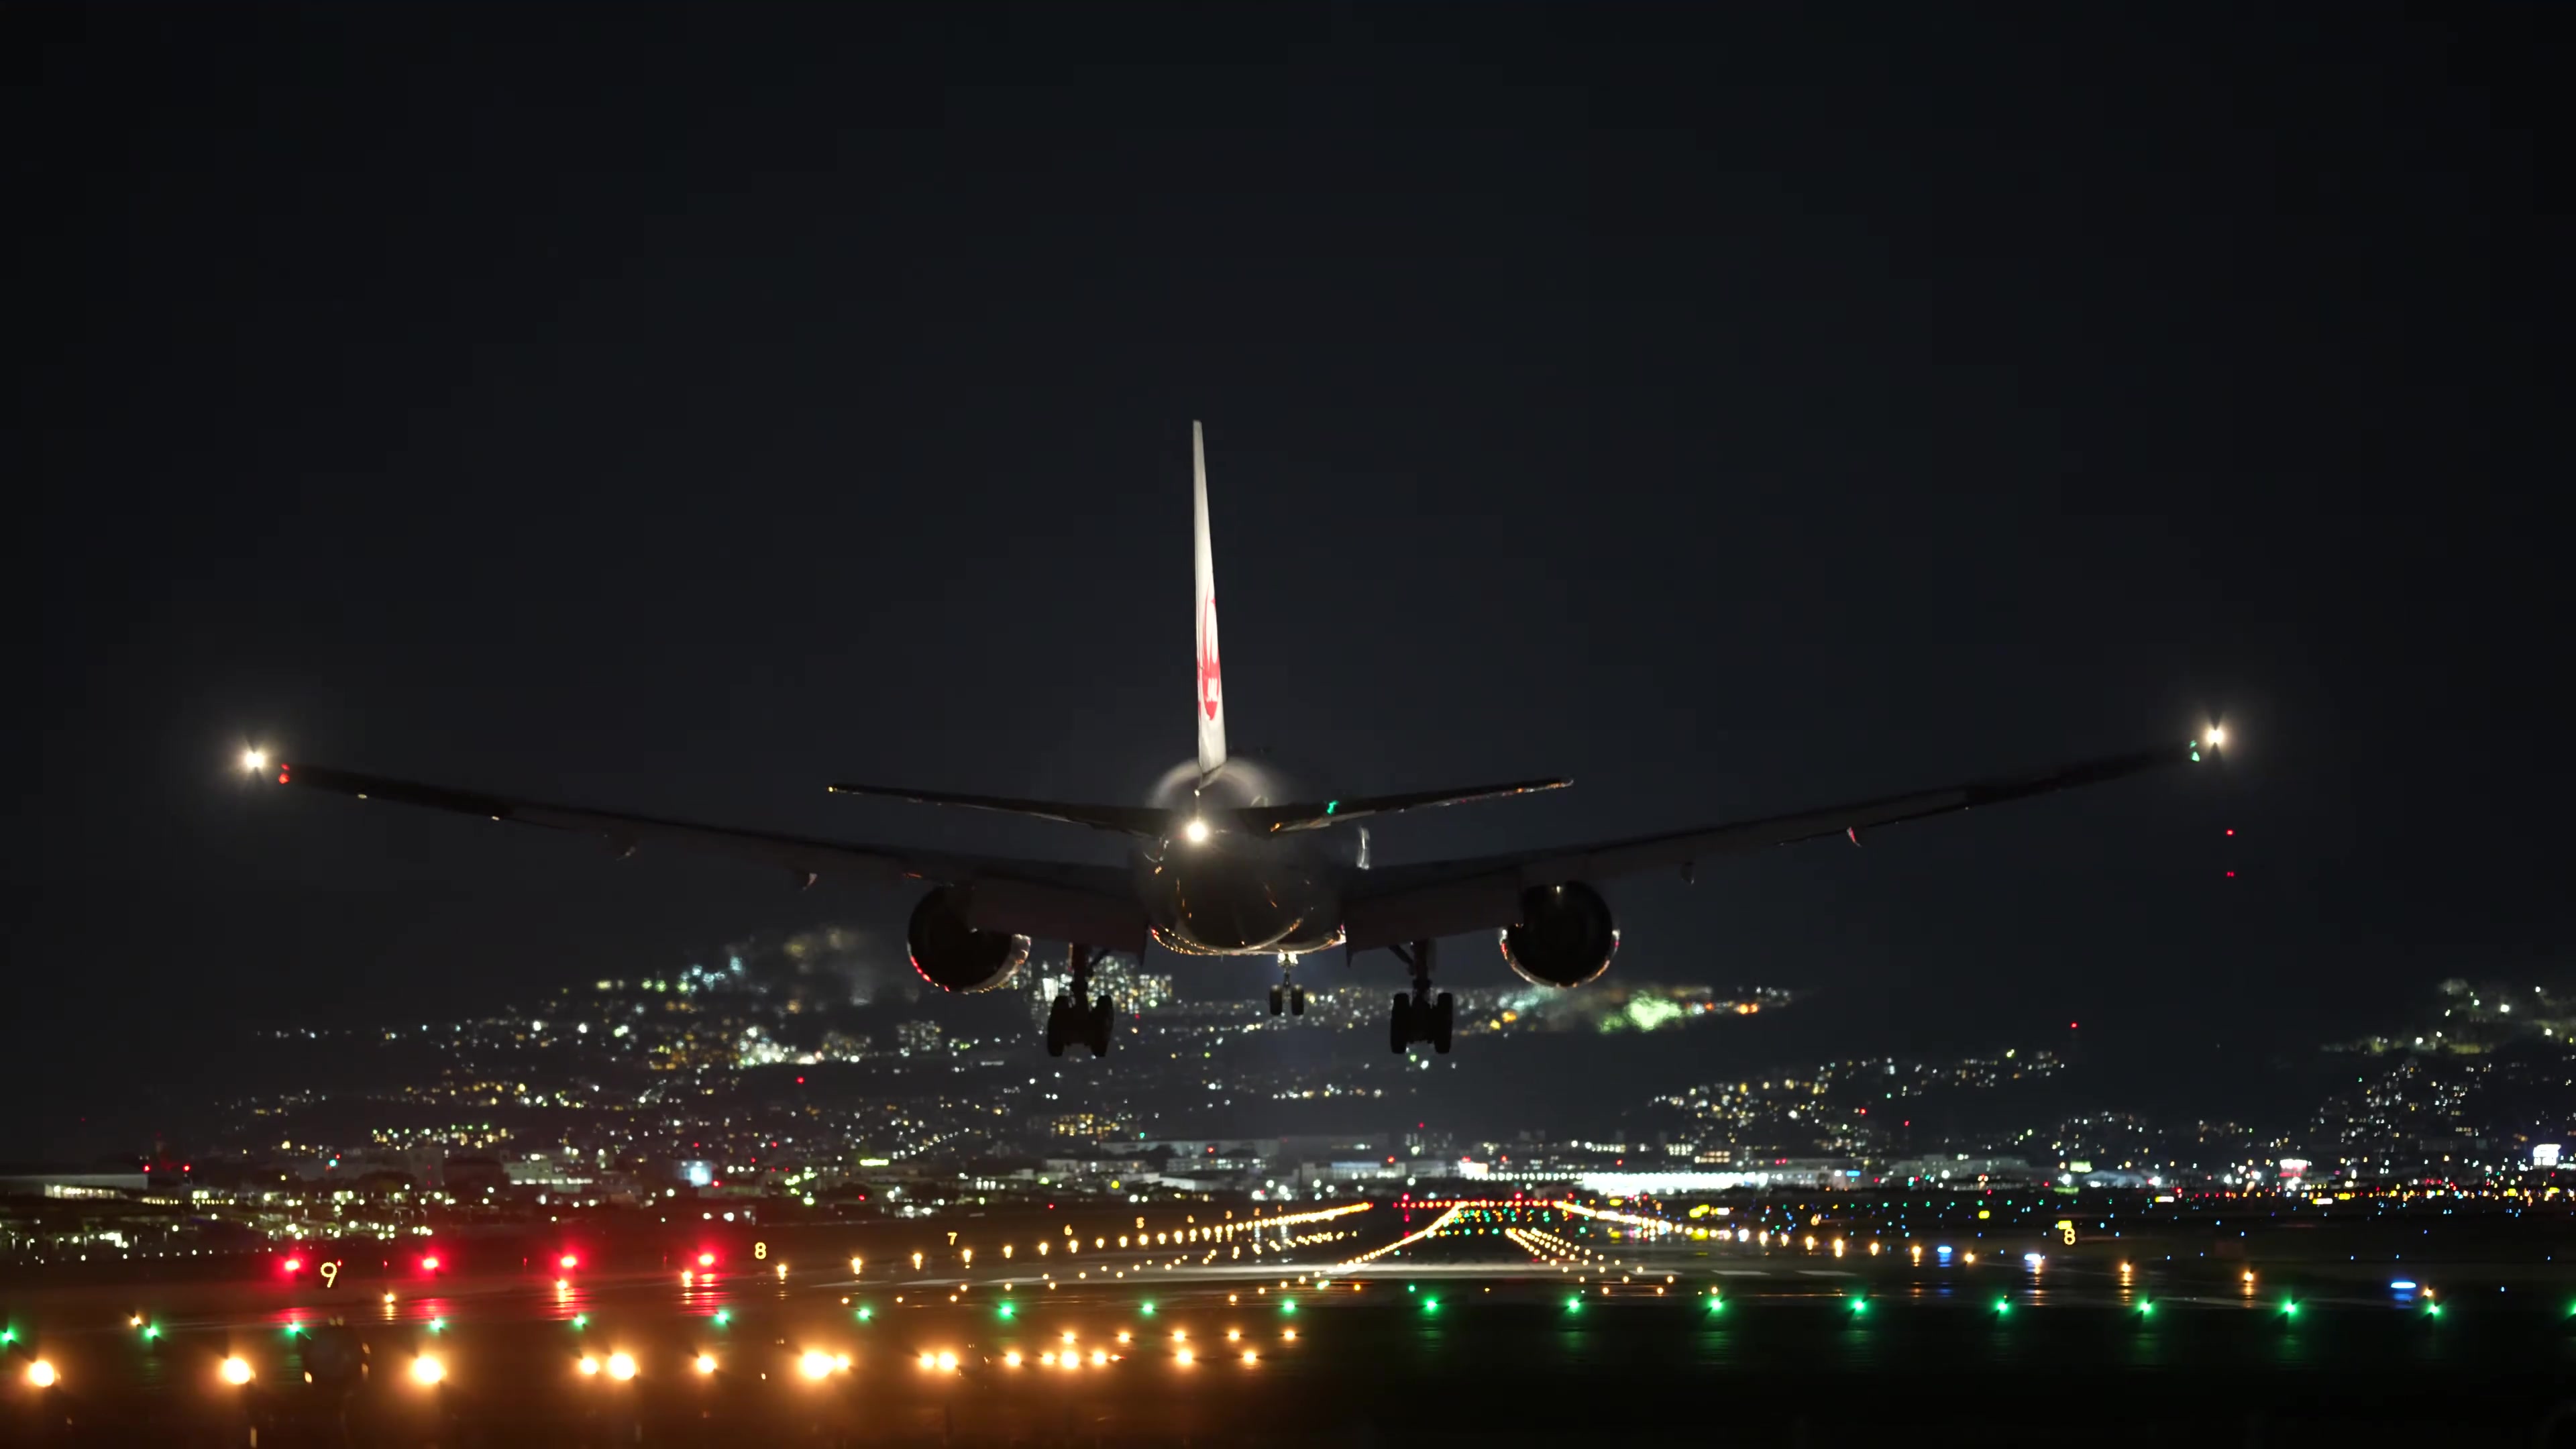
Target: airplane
pixel 1226 859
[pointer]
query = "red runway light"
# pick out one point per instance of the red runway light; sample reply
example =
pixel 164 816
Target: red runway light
pixel 429 1264
pixel 706 1260
pixel 292 1264
pixel 569 1261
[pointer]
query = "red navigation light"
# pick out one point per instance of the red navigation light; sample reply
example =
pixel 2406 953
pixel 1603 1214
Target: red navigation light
pixel 429 1264
pixel 2231 830
pixel 800 1081
pixel 706 1260
pixel 569 1260
pixel 2231 875
pixel 2073 1025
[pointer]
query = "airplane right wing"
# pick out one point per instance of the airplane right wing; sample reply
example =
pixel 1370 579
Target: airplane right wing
pixel 1406 903
pixel 1057 900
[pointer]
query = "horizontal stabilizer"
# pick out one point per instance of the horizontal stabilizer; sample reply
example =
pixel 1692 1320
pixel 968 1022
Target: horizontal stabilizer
pixel 1276 818
pixel 1125 819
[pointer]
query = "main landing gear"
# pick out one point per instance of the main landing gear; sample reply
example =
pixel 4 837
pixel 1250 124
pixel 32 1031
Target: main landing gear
pixel 1287 996
pixel 1076 1017
pixel 1420 1016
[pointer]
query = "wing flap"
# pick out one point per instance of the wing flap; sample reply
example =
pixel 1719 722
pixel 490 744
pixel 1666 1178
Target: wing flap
pixel 1124 819
pixel 1105 887
pixel 1449 897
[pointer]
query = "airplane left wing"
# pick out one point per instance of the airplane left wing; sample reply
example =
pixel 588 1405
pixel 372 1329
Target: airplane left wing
pixel 1406 903
pixel 1058 900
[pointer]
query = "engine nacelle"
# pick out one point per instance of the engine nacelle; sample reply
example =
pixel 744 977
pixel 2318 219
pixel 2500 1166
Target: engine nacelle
pixel 954 956
pixel 1565 937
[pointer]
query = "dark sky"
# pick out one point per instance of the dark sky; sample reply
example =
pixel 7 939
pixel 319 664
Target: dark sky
pixel 679 408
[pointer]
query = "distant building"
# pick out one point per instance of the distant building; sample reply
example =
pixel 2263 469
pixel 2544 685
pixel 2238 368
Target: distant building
pixel 917 1036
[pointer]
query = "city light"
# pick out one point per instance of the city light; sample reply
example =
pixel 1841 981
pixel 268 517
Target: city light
pixel 236 1370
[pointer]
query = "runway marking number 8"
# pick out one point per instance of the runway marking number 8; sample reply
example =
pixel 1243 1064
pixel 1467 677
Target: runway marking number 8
pixel 760 1250
pixel 2067 1226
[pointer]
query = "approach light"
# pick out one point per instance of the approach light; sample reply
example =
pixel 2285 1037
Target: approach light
pixel 948 1363
pixel 705 1363
pixel 40 1374
pixel 236 1370
pixel 1197 831
pixel 621 1365
pixel 589 1366
pixel 426 1369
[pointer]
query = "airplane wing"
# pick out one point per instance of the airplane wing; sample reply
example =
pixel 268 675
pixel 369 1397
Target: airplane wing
pixel 1408 903
pixel 1057 900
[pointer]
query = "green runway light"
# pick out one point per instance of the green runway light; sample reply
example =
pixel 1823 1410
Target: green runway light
pixel 2432 1310
pixel 2289 1309
pixel 8 1336
pixel 1715 1303
pixel 1430 1305
pixel 1147 1309
pixel 1859 1307
pixel 1408 1287
pixel 581 1320
pixel 723 1316
pixel 1006 1311
pixel 2003 1306
pixel 152 1330
pixel 1574 1303
pixel 1332 805
pixel 866 1313
pixel 2145 1309
pixel 1288 1305
pixel 438 1325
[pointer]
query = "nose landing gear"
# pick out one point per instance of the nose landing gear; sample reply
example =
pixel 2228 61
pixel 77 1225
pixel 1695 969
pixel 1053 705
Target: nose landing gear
pixel 1287 996
pixel 1075 1017
pixel 1420 1016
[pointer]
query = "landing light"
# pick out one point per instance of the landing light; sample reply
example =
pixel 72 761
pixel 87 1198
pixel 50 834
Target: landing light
pixel 254 761
pixel 1196 831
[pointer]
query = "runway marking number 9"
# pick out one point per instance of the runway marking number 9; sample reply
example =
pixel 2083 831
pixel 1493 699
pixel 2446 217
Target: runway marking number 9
pixel 760 1250
pixel 330 1273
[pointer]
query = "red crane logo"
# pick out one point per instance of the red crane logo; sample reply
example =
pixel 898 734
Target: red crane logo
pixel 1211 685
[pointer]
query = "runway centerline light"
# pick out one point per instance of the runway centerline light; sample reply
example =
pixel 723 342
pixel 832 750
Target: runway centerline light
pixel 236 1370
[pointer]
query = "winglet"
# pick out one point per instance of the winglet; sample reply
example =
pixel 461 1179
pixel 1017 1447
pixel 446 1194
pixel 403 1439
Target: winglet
pixel 1211 683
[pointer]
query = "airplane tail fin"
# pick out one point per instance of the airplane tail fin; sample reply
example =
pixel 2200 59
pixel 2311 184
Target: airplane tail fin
pixel 1211 685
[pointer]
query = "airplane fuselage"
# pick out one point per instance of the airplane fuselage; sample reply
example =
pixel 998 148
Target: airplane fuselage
pixel 1236 894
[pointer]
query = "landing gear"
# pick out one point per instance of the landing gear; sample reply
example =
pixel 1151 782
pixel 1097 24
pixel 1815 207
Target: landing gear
pixel 1076 1017
pixel 1420 1016
pixel 1287 996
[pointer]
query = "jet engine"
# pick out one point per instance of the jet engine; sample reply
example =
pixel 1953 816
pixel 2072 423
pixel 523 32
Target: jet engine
pixel 1565 937
pixel 954 956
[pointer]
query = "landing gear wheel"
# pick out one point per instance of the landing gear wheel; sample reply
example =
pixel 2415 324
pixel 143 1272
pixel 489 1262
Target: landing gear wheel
pixel 1442 1014
pixel 1055 1024
pixel 1296 1001
pixel 1097 1035
pixel 1399 1031
pixel 1278 1000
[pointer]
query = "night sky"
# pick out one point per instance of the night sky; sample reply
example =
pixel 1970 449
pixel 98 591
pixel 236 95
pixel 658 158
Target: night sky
pixel 679 409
